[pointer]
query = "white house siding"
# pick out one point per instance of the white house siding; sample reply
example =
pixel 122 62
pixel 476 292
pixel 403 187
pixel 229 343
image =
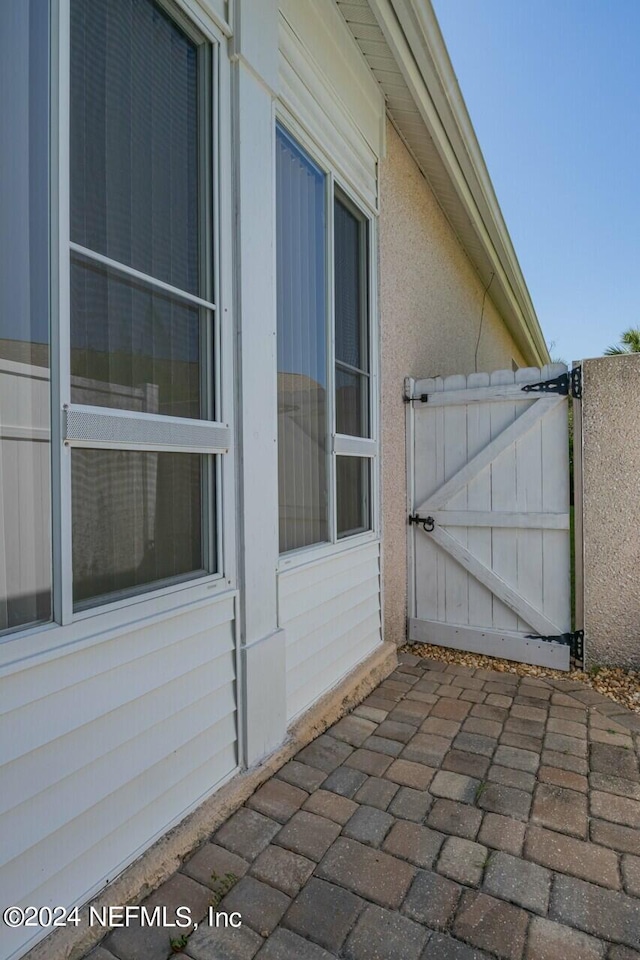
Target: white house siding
pixel 330 611
pixel 106 747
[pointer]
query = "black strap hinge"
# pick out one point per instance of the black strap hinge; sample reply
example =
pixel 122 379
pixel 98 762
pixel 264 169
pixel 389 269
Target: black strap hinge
pixel 565 384
pixel 575 641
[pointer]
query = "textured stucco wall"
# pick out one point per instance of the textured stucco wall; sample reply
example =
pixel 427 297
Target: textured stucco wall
pixel 611 509
pixel 430 306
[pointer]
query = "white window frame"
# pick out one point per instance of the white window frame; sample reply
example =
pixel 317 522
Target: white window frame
pixel 337 183
pixel 75 425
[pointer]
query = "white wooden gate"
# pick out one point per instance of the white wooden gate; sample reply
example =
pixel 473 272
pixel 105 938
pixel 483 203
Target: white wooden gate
pixel 488 470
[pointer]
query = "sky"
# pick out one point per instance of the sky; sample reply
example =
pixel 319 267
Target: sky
pixel 553 91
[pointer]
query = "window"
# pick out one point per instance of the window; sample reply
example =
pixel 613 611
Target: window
pixel 325 397
pixel 352 386
pixel 111 435
pixel 141 422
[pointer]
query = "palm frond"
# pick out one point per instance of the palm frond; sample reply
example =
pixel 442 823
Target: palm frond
pixel 629 343
pixel 631 340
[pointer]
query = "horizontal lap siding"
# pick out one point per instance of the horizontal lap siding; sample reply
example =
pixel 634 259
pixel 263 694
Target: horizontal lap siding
pixel 108 747
pixel 330 611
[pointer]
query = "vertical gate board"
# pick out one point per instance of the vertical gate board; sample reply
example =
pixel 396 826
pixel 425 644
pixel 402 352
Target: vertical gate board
pixel 529 498
pixel 490 463
pixel 556 582
pixel 455 456
pixel 479 498
pixel 503 492
pixel 425 567
pixel 440 477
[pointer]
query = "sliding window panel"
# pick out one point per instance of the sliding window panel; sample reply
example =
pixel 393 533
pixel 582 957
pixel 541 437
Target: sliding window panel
pixel 351 320
pixel 25 404
pixel 350 286
pixel 302 348
pixel 353 495
pixel 135 138
pixel 137 521
pixel 133 346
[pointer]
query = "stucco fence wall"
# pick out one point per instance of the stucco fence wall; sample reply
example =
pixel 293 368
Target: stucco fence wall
pixel 611 510
pixel 430 309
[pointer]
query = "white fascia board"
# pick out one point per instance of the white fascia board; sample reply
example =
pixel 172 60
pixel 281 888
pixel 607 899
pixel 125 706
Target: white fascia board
pixel 412 33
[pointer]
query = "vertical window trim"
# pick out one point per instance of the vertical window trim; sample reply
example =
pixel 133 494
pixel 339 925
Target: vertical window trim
pixel 331 353
pixel 360 451
pixel 368 447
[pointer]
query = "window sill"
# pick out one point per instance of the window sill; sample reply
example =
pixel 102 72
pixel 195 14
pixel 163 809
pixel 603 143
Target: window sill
pixel 38 644
pixel 306 556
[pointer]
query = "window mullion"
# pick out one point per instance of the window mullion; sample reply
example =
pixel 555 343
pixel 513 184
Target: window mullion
pixel 365 325
pixel 373 347
pixel 208 354
pixel 331 358
pixel 60 315
pixel 219 491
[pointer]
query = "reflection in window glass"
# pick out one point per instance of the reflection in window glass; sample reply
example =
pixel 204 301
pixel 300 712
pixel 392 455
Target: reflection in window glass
pixel 137 520
pixel 132 346
pixel 353 495
pixel 352 394
pixel 302 351
pixel 351 332
pixel 25 483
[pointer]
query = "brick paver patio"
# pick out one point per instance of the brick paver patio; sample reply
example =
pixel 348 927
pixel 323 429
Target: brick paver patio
pixel 455 814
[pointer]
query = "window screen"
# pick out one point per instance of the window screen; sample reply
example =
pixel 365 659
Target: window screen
pixel 141 317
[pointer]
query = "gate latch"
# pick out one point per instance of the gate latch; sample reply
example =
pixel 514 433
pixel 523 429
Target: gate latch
pixel 427 523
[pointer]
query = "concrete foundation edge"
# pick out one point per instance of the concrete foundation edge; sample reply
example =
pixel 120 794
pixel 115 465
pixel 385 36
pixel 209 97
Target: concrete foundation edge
pixel 166 855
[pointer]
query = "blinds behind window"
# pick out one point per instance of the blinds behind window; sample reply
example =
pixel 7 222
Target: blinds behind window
pixel 134 141
pixel 302 350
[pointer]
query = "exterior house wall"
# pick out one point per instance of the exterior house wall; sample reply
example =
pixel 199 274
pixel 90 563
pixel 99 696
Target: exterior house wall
pixel 430 308
pixel 125 719
pixel 611 510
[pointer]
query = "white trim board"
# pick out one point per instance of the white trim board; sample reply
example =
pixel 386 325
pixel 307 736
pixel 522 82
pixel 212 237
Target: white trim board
pixel 492 643
pixel 498 518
